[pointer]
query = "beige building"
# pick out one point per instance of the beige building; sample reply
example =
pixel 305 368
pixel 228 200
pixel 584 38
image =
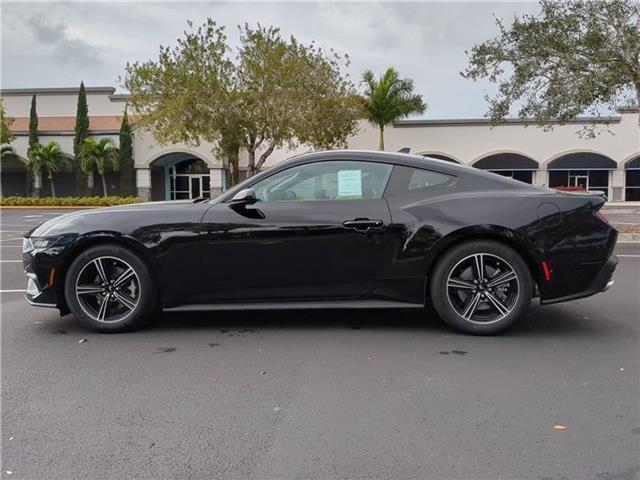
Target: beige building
pixel 557 158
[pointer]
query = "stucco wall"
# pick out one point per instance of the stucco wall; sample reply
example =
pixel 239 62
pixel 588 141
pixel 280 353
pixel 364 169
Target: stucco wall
pixel 61 105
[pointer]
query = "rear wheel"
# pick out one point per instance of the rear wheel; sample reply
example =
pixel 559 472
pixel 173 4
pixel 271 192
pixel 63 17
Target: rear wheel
pixel 481 287
pixel 110 289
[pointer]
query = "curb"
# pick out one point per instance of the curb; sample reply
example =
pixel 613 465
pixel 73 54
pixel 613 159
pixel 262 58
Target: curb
pixel 629 237
pixel 47 207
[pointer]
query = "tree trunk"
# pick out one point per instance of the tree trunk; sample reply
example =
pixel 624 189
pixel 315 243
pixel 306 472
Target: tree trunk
pixel 381 143
pixel 53 188
pixel 235 172
pixel 104 185
pixel 252 163
pixel 264 156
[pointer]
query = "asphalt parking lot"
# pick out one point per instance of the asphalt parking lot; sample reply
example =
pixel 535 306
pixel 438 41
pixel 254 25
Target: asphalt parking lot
pixel 261 395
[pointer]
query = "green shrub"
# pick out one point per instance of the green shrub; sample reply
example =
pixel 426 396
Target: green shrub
pixel 66 201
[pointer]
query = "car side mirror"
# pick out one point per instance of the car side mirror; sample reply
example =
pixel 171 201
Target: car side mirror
pixel 244 197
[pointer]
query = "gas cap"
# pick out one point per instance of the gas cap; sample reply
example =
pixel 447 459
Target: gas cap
pixel 549 213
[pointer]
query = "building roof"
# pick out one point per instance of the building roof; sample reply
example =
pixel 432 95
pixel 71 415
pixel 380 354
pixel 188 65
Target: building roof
pixel 8 92
pixel 104 124
pixel 487 121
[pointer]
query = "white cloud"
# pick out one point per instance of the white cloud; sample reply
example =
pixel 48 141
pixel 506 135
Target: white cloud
pixel 58 44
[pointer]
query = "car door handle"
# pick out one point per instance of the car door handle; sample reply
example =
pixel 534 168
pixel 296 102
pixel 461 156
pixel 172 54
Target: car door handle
pixel 362 223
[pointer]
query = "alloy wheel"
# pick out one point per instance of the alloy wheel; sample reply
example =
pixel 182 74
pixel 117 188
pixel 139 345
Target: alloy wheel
pixel 483 288
pixel 108 289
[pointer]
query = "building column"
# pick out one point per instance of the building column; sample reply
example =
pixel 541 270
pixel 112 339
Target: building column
pixel 143 183
pixel 617 184
pixel 540 178
pixel 217 181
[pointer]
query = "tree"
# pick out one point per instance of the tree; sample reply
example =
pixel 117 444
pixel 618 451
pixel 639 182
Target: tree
pixel 228 148
pixel 126 165
pixel 46 160
pixel 278 92
pixel 6 136
pixel 102 154
pixel 7 152
pixel 33 124
pixel 81 133
pixel 290 94
pixel 33 139
pixel 572 58
pixel 389 99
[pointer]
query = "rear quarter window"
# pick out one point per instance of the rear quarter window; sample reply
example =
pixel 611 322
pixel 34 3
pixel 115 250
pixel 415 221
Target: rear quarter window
pixel 408 180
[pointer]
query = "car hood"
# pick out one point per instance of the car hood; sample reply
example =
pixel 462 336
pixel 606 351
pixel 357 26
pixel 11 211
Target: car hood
pixel 119 218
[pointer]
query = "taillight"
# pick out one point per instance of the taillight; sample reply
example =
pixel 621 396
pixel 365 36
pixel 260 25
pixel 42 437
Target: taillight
pixel 601 216
pixel 546 270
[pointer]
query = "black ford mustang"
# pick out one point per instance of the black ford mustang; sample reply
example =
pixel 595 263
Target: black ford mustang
pixel 340 229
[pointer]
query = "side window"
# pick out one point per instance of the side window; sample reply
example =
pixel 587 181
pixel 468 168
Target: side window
pixel 325 181
pixel 405 180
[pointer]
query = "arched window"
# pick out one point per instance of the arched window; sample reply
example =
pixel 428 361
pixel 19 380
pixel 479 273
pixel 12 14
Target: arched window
pixel 581 171
pixel 179 176
pixel 513 165
pixel 632 179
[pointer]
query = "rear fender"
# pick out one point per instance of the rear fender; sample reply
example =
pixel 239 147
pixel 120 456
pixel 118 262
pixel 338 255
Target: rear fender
pixel 486 232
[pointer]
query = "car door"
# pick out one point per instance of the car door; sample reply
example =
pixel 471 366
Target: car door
pixel 317 231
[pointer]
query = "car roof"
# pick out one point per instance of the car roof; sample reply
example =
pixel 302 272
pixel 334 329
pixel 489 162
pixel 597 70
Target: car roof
pixel 375 156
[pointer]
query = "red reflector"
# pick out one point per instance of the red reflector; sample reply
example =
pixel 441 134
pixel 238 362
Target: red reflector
pixel 546 271
pixel 601 216
pixel 52 275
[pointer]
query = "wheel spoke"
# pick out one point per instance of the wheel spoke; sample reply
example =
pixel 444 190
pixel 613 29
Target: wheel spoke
pixel 502 279
pixel 460 284
pixel 122 299
pixel 102 313
pixel 100 268
pixel 497 304
pixel 471 306
pixel 89 289
pixel 479 264
pixel 127 274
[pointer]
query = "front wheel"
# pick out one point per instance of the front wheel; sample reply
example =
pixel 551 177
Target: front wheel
pixel 481 287
pixel 110 289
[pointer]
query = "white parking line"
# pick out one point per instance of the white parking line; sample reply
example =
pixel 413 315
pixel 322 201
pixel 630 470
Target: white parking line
pixel 12 291
pixel 10 261
pixel 628 256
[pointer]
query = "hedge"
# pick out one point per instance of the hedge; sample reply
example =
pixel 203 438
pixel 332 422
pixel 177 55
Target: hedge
pixel 66 201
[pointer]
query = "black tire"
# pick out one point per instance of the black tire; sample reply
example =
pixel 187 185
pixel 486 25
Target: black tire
pixel 128 298
pixel 481 305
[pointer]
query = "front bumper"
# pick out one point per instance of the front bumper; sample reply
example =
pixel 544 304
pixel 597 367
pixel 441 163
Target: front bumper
pixel 601 283
pixel 40 269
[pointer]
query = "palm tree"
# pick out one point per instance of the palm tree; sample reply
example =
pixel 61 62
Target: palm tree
pixel 389 98
pixel 101 154
pixel 46 159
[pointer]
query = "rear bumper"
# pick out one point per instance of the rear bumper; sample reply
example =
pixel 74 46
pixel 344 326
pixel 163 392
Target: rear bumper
pixel 601 283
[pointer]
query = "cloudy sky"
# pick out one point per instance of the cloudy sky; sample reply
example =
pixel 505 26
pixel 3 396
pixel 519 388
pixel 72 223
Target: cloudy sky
pixel 59 44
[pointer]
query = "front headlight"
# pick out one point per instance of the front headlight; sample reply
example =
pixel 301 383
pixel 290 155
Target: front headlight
pixel 38 243
pixel 27 246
